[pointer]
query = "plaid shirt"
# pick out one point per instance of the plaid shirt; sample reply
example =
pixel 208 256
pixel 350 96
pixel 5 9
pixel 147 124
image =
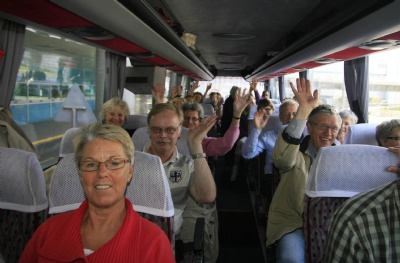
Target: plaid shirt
pixel 366 228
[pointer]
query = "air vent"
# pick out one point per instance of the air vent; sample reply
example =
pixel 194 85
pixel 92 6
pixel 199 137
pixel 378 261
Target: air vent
pixel 231 57
pixel 90 33
pixel 325 60
pixel 377 45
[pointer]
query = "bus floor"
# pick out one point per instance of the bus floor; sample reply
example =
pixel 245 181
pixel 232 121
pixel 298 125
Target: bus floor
pixel 241 237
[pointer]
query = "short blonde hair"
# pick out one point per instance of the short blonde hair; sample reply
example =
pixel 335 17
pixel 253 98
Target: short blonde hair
pixel 107 132
pixel 112 104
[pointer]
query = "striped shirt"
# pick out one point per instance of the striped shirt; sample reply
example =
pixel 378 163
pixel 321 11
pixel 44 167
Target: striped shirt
pixel 366 228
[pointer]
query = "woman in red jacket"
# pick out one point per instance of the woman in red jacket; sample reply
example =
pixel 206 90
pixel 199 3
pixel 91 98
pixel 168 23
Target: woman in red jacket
pixel 105 228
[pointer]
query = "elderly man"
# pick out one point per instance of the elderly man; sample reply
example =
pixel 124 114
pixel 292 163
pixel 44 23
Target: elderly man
pixel 186 175
pixel 293 155
pixel 260 141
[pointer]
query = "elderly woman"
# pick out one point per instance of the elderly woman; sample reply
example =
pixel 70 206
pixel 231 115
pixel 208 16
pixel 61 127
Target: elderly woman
pixel 388 133
pixel 105 228
pixel 115 111
pixel 348 118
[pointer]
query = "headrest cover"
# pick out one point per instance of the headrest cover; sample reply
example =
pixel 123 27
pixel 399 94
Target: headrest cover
pixel 346 170
pixel 361 133
pixel 22 184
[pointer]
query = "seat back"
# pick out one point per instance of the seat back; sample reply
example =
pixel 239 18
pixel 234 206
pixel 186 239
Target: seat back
pixel 337 174
pixel 273 124
pixel 141 137
pixel 361 133
pixel 67 145
pixel 135 121
pixel 23 200
pixel 148 191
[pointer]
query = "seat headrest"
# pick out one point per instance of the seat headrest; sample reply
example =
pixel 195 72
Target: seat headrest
pixel 361 133
pixel 346 170
pixel 22 184
pixel 67 146
pixel 135 121
pixel 273 124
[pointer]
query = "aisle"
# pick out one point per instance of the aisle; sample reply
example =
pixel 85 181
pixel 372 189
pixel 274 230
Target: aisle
pixel 238 233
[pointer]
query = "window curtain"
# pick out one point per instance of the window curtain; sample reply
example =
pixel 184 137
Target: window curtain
pixel 282 93
pixel 267 86
pixel 356 82
pixel 303 74
pixel 12 38
pixel 115 76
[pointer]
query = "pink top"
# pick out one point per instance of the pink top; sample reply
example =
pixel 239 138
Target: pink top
pixel 219 146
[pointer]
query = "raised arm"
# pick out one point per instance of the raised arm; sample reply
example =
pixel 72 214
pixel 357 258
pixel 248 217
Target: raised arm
pixel 207 90
pixel 194 87
pixel 304 96
pixel 158 92
pixel 203 189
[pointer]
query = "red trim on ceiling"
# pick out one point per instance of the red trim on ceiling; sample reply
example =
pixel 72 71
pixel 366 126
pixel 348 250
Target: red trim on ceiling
pixel 393 36
pixel 43 12
pixel 350 53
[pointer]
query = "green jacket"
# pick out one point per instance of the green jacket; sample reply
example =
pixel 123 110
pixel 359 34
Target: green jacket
pixel 292 158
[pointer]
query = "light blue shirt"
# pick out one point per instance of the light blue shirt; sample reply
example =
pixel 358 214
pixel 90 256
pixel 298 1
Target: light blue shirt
pixel 256 143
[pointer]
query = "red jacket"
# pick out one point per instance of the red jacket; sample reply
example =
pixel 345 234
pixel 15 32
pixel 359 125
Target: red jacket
pixel 59 240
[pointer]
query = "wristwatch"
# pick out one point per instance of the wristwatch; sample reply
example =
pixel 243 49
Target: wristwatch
pixel 198 155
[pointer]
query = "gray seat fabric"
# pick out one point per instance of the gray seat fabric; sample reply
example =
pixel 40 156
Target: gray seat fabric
pixel 361 133
pixel 23 200
pixel 337 174
pixel 135 122
pixel 67 146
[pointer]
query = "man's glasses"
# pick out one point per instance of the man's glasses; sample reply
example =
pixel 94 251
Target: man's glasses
pixel 393 138
pixel 169 130
pixel 325 128
pixel 91 166
pixel 194 119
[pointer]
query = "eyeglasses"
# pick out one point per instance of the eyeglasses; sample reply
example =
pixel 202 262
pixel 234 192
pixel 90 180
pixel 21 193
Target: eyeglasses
pixel 169 130
pixel 194 119
pixel 91 166
pixel 393 138
pixel 325 128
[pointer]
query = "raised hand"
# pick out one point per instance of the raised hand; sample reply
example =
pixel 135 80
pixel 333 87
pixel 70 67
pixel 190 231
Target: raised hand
pixel 158 92
pixel 260 119
pixel 197 135
pixel 253 84
pixel 241 101
pixel 304 96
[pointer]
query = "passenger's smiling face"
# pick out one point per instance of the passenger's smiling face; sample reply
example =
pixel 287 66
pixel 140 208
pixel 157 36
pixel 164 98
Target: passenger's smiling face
pixel 104 187
pixel 115 116
pixel 393 140
pixel 323 130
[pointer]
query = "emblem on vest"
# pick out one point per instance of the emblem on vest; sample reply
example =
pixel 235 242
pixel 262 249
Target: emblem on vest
pixel 175 176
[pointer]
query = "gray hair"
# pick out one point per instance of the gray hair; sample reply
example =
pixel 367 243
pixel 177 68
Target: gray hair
pixel 384 129
pixel 112 104
pixel 348 114
pixel 323 109
pixel 188 106
pixel 107 132
pixel 163 107
pixel 234 91
pixel 286 102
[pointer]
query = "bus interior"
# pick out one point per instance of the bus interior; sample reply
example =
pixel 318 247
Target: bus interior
pixel 122 48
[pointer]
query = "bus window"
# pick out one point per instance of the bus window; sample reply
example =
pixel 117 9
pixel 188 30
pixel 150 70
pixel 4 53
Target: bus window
pixel 49 67
pixel 384 86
